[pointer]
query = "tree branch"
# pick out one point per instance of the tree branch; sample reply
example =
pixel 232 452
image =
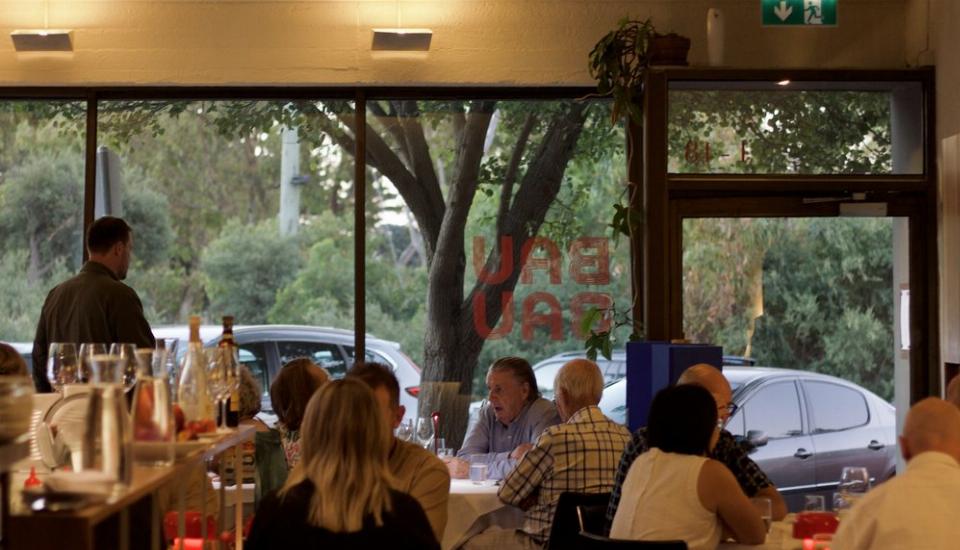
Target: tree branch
pixel 510 177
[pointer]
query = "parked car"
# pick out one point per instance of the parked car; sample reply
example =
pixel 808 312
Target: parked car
pixel 802 427
pixel 264 349
pixel 613 369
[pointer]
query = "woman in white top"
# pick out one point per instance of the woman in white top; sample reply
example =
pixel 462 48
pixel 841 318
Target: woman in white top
pixel 673 491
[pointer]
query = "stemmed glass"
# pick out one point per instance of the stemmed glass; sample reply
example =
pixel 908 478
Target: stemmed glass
pixel 128 370
pixel 62 365
pixel 424 431
pixel 220 379
pixel 88 350
pixel 854 479
pixel 405 430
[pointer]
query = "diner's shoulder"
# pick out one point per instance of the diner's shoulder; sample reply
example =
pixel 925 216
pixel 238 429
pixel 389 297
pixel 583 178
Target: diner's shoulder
pixel 408 455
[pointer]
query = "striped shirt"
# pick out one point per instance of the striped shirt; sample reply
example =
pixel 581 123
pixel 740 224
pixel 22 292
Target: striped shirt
pixel 580 455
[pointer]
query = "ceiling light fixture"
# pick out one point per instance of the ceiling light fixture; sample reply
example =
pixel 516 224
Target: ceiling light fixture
pixel 402 40
pixel 45 39
pixel 783 82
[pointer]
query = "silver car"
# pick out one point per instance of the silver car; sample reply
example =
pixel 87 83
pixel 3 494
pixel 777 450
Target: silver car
pixel 802 427
pixel 264 349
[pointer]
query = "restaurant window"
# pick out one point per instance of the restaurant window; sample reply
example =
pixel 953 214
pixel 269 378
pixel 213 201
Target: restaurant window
pixel 254 357
pixel 843 128
pixel 774 410
pixel 238 207
pixel 327 356
pixel 835 407
pixel 41 208
pixel 459 191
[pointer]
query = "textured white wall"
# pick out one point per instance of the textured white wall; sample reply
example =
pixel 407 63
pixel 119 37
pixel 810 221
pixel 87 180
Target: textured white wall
pixel 327 42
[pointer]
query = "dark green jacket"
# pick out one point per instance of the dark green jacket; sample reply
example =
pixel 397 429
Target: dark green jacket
pixel 92 306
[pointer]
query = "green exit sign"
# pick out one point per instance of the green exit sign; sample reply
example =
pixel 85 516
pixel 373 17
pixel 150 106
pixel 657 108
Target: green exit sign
pixel 812 13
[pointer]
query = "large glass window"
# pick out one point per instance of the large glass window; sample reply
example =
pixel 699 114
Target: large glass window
pixel 41 208
pixel 239 208
pixel 773 410
pixel 795 128
pixel 488 232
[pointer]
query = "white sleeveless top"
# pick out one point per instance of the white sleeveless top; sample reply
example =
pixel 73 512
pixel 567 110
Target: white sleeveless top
pixel 660 502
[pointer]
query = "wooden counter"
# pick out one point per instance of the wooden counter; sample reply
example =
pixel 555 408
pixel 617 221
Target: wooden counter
pixel 78 529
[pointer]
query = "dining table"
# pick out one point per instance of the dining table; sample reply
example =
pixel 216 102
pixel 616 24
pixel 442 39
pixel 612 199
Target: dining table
pixel 472 508
pixel 779 537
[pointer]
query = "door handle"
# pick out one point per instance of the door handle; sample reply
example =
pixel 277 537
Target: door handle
pixel 802 453
pixel 875 445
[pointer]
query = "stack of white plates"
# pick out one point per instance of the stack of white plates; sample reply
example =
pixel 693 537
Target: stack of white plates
pixel 16 406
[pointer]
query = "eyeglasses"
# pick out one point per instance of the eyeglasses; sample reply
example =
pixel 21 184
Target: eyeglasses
pixel 730 408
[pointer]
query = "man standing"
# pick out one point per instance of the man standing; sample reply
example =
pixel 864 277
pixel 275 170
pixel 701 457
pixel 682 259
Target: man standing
pixel 918 509
pixel 93 306
pixel 750 477
pixel 416 471
pixel 580 455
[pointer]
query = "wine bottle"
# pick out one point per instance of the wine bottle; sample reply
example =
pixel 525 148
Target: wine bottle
pixel 233 402
pixel 192 392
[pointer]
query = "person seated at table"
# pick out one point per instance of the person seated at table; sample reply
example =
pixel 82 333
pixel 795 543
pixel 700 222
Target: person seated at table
pixel 11 363
pixel 674 491
pixel 919 507
pixel 751 478
pixel 339 495
pixel 415 470
pixel 509 423
pixel 578 456
pixel 290 392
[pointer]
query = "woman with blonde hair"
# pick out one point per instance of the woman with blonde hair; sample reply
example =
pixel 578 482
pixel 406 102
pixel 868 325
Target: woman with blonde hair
pixel 339 494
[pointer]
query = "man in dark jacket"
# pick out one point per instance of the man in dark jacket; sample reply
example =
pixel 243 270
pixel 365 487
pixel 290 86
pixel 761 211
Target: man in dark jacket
pixel 94 305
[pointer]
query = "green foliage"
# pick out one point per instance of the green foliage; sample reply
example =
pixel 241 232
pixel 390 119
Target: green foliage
pixel 244 267
pixel 21 300
pixel 618 63
pixel 149 213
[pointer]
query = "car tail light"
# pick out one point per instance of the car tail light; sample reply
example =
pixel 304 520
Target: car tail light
pixel 413 391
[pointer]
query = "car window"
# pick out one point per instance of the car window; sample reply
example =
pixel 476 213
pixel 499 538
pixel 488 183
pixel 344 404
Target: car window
pixel 368 355
pixel 615 371
pixel 326 355
pixel 835 407
pixel 254 357
pixel 735 424
pixel 775 410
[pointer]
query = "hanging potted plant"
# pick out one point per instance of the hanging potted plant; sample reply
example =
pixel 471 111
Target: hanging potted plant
pixel 619 63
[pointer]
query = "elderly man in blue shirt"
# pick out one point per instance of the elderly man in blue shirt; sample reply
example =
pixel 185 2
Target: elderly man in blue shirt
pixel 509 423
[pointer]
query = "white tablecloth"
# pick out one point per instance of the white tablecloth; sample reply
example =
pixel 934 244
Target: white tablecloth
pixel 472 508
pixel 780 537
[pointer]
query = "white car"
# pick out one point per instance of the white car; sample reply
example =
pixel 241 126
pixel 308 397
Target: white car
pixel 264 349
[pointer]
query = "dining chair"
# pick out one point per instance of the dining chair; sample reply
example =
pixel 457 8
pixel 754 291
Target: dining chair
pixel 566 524
pixel 592 518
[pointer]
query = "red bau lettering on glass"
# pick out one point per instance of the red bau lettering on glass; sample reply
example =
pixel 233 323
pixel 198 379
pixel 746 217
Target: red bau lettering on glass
pixel 588 265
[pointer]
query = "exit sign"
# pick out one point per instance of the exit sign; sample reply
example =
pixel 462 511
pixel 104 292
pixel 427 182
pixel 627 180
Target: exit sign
pixel 812 13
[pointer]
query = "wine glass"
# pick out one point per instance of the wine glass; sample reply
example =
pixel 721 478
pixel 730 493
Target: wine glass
pixel 88 350
pixel 62 365
pixel 405 430
pixel 218 378
pixel 854 479
pixel 424 431
pixel 128 370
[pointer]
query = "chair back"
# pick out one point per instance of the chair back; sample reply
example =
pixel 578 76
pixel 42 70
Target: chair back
pixel 566 525
pixel 589 541
pixel 270 463
pixel 593 518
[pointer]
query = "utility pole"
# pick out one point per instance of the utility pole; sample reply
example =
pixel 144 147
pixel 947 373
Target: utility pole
pixel 289 216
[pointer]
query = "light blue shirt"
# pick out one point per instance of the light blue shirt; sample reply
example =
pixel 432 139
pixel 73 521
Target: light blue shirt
pixel 491 442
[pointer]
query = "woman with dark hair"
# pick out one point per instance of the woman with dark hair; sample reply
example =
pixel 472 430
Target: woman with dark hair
pixel 673 491
pixel 340 495
pixel 290 392
pixel 509 423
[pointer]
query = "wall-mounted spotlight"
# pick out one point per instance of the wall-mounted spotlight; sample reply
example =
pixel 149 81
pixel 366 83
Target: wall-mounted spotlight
pixel 402 40
pixel 42 40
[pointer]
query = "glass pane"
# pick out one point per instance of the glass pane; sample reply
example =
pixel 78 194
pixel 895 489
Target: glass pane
pixel 797 128
pixel 254 357
pixel 812 294
pixel 41 208
pixel 459 191
pixel 835 407
pixel 326 355
pixel 774 410
pixel 239 208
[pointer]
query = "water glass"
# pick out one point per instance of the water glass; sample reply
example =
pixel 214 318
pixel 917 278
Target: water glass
pixel 62 367
pixel 167 351
pixel 405 430
pixel 424 433
pixel 478 473
pixel 813 503
pixel 154 426
pixel 765 507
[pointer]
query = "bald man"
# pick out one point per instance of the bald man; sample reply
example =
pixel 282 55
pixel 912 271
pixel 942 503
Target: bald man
pixel 580 455
pixel 751 478
pixel 918 509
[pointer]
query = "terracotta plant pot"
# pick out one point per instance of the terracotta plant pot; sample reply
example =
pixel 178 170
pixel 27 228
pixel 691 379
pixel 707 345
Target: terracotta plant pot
pixel 668 49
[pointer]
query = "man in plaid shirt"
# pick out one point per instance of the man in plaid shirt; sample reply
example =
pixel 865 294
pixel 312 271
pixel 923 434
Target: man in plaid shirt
pixel 751 478
pixel 580 455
